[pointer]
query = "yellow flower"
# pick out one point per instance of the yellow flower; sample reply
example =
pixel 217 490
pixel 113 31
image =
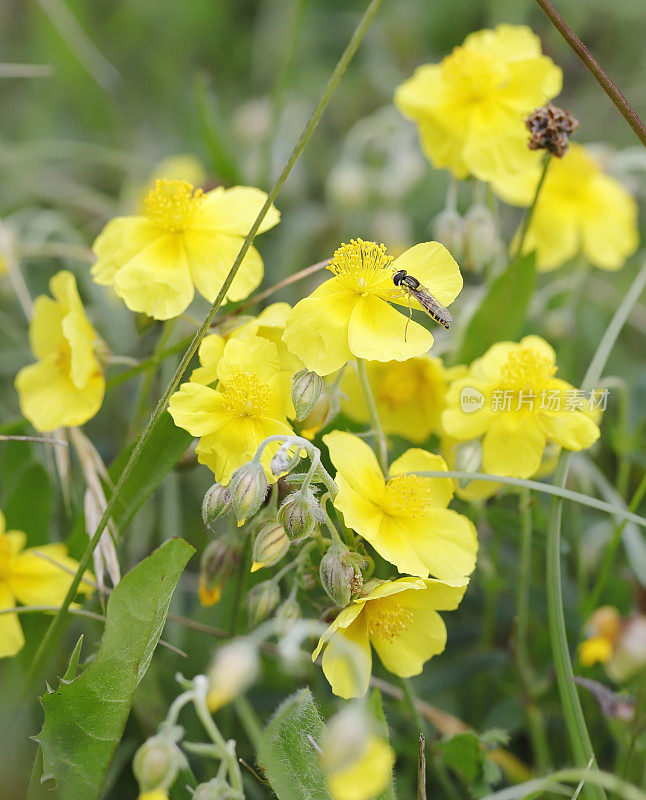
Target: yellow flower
pixel 580 209
pixel 399 619
pixel 595 650
pixel 28 579
pixel 65 387
pixel 471 107
pixel 511 397
pixel 410 395
pixel 404 518
pixel 156 794
pixel 349 315
pixel 180 167
pixel 187 240
pixel 251 402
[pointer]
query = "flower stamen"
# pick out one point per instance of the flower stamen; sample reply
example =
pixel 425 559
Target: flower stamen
pixel 410 495
pixel 172 204
pixel 387 619
pixel 526 370
pixel 245 395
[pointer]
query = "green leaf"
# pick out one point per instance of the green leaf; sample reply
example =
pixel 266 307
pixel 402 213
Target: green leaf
pixel 85 718
pixel 28 506
pixel 463 753
pixel 502 311
pixel 376 708
pixel 287 755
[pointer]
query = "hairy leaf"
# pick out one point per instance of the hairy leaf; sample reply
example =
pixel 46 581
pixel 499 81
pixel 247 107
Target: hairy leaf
pixel 287 755
pixel 502 310
pixel 85 718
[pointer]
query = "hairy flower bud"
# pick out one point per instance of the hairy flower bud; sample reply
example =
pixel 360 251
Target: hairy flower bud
pixel 481 237
pixel 215 789
pixel 234 668
pixel 299 514
pixel 340 573
pixel 323 412
pixel 219 561
pixel 448 227
pixel 468 458
pixel 306 390
pixel 270 545
pixel 216 503
pixel 156 763
pixel 261 601
pixel 289 611
pixel 283 461
pixel 249 488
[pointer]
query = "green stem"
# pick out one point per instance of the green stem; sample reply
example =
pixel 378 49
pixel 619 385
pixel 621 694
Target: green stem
pixel 334 80
pixel 218 740
pixel 141 403
pixel 530 211
pixel 382 444
pixel 250 721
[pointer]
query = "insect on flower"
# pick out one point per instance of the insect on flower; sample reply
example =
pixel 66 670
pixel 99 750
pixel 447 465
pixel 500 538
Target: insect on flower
pixel 413 288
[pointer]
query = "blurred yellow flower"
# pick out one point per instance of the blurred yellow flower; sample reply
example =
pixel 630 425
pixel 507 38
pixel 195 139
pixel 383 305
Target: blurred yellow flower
pixel 405 517
pixel 251 402
pixel 511 397
pixel 187 240
pixel 580 209
pixel 471 107
pixel 410 395
pixel 65 387
pixel 28 579
pixel 156 794
pixel 349 315
pixel 399 619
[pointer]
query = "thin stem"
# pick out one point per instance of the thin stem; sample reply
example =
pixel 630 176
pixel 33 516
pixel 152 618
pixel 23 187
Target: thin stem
pixel 297 276
pixel 530 211
pixel 216 737
pixel 14 273
pixel 35 439
pixel 249 719
pixel 141 403
pixel 602 77
pixel 382 444
pixel 333 82
pixel 421 768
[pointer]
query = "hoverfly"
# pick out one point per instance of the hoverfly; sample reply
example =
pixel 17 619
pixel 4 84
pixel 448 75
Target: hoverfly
pixel 413 288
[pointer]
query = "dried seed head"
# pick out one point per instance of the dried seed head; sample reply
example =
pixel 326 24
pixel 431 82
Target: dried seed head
pixel 550 128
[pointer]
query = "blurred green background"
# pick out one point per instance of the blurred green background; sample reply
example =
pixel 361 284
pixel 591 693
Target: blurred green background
pixel 234 83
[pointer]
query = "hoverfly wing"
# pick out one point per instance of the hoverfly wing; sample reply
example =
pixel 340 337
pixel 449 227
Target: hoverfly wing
pixel 434 309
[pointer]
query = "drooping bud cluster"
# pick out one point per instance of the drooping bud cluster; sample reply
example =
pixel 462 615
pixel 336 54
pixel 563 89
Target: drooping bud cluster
pixel 299 514
pixel 306 390
pixel 261 601
pixel 550 128
pixel 340 573
pixel 158 760
pixel 249 487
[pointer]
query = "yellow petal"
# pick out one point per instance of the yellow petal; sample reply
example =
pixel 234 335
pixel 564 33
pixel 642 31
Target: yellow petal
pixel 254 354
pixel 120 240
pixel 367 776
pixel 506 42
pixel 234 210
pixel 46 327
pixel 317 328
pixel 197 409
pixel 81 337
pixel 38 581
pixel 378 332
pixel 157 281
pixel 468 413
pixel 513 446
pixel 356 461
pixel 610 231
pixel 573 430
pixel 417 460
pixel 210 257
pixel 11 638
pixel 50 400
pixel 209 353
pixel 434 267
pixel 347 660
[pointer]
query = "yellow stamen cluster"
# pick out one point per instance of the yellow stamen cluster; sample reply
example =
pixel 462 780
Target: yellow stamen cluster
pixel 409 494
pixel 349 259
pixel 526 369
pixel 245 395
pixel 172 204
pixel 387 619
pixel 399 385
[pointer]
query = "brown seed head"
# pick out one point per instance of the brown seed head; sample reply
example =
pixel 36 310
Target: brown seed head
pixel 550 128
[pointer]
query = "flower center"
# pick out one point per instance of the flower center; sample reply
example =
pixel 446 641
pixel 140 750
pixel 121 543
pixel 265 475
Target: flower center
pixel 408 495
pixel 387 619
pixel 364 267
pixel 526 370
pixel 6 556
pixel 472 75
pixel 399 384
pixel 172 204
pixel 245 395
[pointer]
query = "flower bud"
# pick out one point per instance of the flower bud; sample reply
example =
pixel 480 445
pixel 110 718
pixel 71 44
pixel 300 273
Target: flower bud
pixel 261 601
pixel 468 458
pixel 288 612
pixel 249 488
pixel 219 561
pixel 323 412
pixel 283 461
pixel 215 789
pixel 234 668
pixel 156 763
pixel 270 545
pixel 306 390
pixel 299 514
pixel 216 503
pixel 448 227
pixel 340 573
pixel 481 238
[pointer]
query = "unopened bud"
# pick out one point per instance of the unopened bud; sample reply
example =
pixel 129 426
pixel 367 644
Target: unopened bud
pixel 468 458
pixel 448 227
pixel 219 561
pixel 156 763
pixel 282 462
pixel 216 503
pixel 481 237
pixel 215 789
pixel 346 736
pixel 261 601
pixel 299 514
pixel 235 667
pixel 306 390
pixel 289 611
pixel 249 488
pixel 340 573
pixel 324 411
pixel 270 545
